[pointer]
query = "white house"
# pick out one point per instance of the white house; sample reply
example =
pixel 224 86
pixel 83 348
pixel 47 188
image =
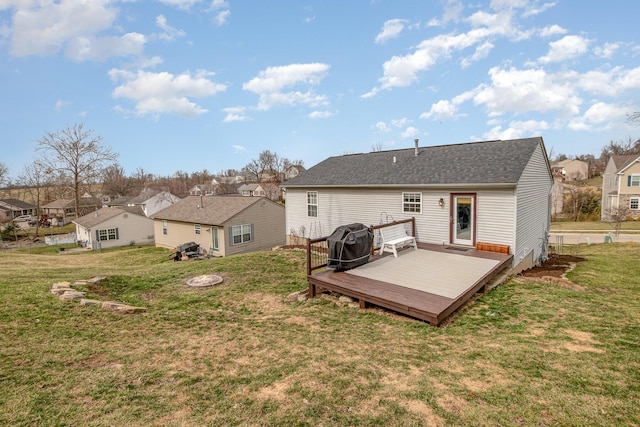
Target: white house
pixel 111 227
pixel 495 192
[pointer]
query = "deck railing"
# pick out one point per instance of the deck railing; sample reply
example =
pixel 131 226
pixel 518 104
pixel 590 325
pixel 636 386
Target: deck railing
pixel 318 249
pixel 317 254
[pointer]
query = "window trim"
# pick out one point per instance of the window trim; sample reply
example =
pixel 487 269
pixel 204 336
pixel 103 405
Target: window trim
pixel 242 228
pixel 165 228
pixel 637 202
pixel 312 206
pixel 197 229
pixel 107 234
pixel 634 180
pixel 410 206
pixel 215 241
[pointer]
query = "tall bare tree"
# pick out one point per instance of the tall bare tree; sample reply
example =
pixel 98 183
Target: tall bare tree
pixel 76 156
pixel 4 174
pixel 35 178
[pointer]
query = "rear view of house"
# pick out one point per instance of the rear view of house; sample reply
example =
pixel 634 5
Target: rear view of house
pixel 473 194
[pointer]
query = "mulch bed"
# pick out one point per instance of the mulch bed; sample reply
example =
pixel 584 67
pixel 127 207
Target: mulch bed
pixel 556 265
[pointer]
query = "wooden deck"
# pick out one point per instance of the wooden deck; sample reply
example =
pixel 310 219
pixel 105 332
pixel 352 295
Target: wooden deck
pixel 415 301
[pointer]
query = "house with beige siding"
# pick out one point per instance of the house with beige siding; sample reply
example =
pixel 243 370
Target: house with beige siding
pixel 111 227
pixel 222 225
pixel 495 192
pixel 621 187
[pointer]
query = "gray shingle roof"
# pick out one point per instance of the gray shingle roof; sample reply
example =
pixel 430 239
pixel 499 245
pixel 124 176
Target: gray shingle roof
pixel 621 161
pixel 215 210
pixel 490 162
pixel 103 214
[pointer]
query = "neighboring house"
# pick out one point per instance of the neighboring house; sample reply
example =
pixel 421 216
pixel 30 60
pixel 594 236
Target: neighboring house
pixel 557 194
pixel 263 189
pixel 13 208
pixel 495 192
pixel 152 201
pixel 221 225
pixel 63 211
pixel 111 227
pixel 621 187
pixel 293 171
pixel 203 190
pixel 573 170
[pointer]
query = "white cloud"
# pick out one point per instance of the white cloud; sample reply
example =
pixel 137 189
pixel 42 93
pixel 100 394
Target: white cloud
pixel 517 129
pixel 164 93
pixel 180 4
pixel 170 33
pixel 60 104
pixel 441 110
pixel 522 91
pixel 47 28
pixel 236 114
pixel 382 127
pixel 607 50
pixel 613 82
pixel 552 30
pixel 400 122
pixel 568 47
pixel 237 149
pixel 390 30
pixel 221 17
pixel 271 83
pixel 410 132
pixel 481 52
pixel 601 116
pixel 320 114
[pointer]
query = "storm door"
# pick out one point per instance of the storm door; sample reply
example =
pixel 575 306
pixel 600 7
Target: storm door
pixel 463 219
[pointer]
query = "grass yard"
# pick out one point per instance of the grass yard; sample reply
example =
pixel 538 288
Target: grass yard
pixel 531 352
pixel 568 226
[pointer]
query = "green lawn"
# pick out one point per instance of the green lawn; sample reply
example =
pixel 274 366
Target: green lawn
pixel 544 352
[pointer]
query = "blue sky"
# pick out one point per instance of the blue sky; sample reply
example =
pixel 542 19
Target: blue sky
pixel 190 85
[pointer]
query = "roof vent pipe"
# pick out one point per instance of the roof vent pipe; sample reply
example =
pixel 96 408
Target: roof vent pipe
pixel 415 153
pixel 394 159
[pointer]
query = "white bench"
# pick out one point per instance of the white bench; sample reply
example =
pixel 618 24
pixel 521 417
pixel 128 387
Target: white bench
pixel 395 237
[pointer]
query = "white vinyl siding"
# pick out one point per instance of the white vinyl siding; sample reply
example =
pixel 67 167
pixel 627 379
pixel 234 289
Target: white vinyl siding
pixel 532 198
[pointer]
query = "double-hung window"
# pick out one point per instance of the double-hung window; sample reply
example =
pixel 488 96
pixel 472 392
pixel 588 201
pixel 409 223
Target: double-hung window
pixel 412 202
pixel 634 181
pixel 241 234
pixel 312 204
pixel 105 234
pixel 197 229
pixel 164 227
pixel 634 203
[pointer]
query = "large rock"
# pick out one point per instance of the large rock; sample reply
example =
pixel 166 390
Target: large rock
pixel 71 295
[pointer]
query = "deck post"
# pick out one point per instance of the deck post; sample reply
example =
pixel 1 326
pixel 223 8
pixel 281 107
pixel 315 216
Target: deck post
pixel 363 304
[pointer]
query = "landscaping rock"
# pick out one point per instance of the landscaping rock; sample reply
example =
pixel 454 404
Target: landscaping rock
pixel 297 296
pixel 86 301
pixel 59 291
pixel 71 295
pixel 60 285
pixel 346 299
pixel 122 308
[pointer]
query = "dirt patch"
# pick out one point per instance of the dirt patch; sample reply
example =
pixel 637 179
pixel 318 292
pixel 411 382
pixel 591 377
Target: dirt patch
pixel 556 265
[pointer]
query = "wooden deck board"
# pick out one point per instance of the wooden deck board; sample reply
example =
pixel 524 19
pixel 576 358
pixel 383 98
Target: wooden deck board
pixel 412 302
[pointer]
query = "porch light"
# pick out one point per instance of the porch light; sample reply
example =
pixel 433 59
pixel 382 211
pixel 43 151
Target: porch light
pixel 441 202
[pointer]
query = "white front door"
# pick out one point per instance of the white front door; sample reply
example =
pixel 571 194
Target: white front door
pixel 463 219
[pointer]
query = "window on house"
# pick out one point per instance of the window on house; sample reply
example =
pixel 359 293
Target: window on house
pixel 107 234
pixel 412 202
pixel 634 181
pixel 197 229
pixel 312 204
pixel 241 234
pixel 215 238
pixel 634 203
pixel 164 227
